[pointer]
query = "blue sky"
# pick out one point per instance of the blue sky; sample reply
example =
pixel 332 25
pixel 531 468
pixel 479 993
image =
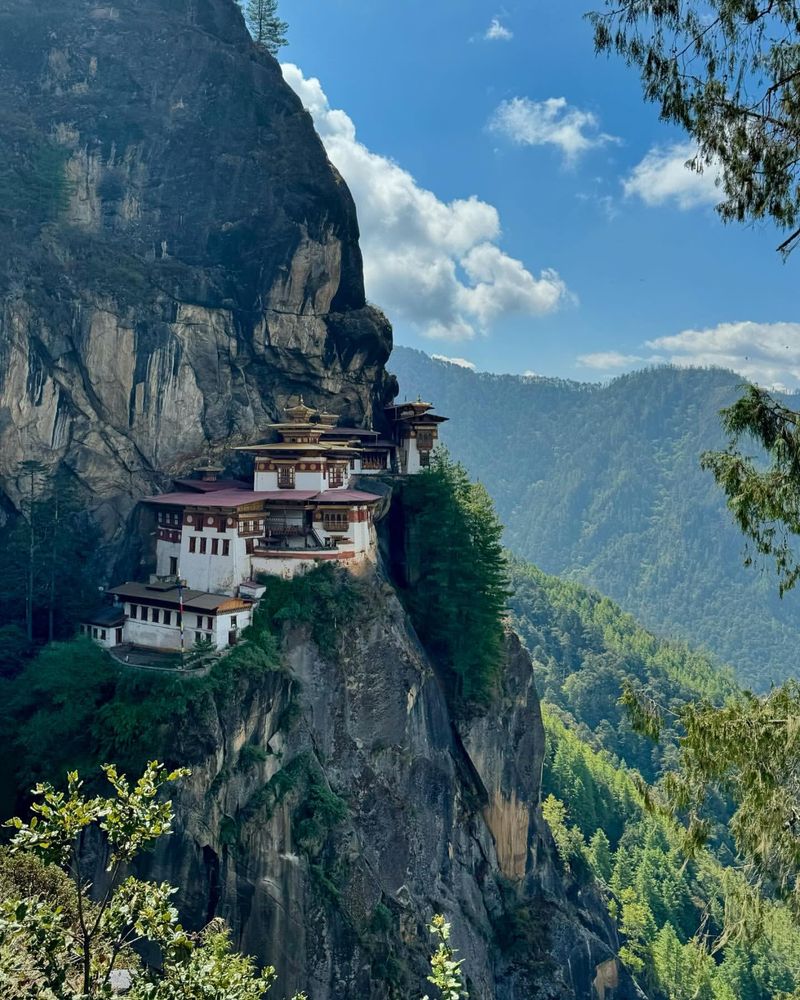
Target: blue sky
pixel 521 207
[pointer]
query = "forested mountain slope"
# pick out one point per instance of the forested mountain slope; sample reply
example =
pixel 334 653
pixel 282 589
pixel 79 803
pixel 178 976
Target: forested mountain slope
pixel 584 647
pixel 603 484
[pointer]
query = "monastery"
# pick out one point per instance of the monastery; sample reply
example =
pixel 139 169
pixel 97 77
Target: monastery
pixel 216 537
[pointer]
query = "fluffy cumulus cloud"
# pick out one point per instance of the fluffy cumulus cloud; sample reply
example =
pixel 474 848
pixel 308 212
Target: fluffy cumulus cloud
pixel 607 361
pixel 498 32
pixel 662 177
pixel 553 122
pixel 432 263
pixel 767 353
pixel 459 362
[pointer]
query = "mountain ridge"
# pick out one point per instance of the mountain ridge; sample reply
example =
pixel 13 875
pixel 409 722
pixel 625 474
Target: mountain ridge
pixel 601 483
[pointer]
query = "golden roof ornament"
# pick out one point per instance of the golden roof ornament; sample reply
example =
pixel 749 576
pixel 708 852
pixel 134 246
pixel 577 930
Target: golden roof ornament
pixel 299 413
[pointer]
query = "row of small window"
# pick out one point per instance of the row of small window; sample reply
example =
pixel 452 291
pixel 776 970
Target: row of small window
pixel 198 543
pixel 99 633
pixel 164 616
pixel 160 616
pixel 286 477
pixel 165 517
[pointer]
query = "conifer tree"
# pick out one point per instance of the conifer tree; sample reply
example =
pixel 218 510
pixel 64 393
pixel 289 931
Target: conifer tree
pixel 267 29
pixel 600 856
pixel 459 598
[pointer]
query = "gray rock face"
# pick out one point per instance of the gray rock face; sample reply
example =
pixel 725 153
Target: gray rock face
pixel 437 821
pixel 181 258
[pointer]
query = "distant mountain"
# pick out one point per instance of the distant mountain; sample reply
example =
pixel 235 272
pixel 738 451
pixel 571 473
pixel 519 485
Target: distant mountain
pixel 602 484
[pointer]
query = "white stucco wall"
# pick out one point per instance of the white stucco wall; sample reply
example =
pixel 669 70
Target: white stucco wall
pixel 309 481
pixel 164 552
pixel 96 632
pixel 214 574
pixel 155 635
pixel 265 481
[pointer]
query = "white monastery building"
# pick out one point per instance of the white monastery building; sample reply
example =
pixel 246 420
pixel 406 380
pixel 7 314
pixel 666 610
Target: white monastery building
pixel 215 537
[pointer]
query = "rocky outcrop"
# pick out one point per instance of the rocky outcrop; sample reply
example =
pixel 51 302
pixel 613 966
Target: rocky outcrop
pixel 180 258
pixel 421 818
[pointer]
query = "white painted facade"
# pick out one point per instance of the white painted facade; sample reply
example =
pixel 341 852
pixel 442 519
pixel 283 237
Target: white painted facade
pixel 410 462
pixel 168 558
pixel 165 632
pixel 104 636
pixel 212 570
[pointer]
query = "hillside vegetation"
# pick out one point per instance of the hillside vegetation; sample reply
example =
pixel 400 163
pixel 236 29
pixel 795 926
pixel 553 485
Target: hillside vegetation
pixel 585 649
pixel 603 484
pixel 671 909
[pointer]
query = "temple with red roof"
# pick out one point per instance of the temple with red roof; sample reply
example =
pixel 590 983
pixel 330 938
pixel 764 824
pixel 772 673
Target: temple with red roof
pixel 215 537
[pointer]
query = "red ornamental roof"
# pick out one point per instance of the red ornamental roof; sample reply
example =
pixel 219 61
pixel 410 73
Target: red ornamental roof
pixel 326 496
pixel 232 499
pixel 348 496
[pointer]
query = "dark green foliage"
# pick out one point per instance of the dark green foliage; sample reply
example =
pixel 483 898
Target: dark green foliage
pixel 33 181
pixel 587 652
pixel 250 755
pixel 765 502
pixel 51 562
pixel 319 811
pixel 324 599
pixel 267 29
pixel 603 484
pixel 458 598
pixel 669 909
pixel 73 706
pixel 726 71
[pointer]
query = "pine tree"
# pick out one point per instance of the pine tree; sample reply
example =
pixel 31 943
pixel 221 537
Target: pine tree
pixel 600 856
pixel 267 29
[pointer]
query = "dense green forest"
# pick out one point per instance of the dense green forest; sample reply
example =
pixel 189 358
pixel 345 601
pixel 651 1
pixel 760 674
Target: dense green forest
pixel 670 910
pixel 603 484
pixel 585 648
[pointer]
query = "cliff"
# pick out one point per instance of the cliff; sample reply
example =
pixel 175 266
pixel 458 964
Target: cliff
pixel 334 807
pixel 181 258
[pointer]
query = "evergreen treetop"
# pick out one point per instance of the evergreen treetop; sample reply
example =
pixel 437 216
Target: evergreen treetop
pixel 267 29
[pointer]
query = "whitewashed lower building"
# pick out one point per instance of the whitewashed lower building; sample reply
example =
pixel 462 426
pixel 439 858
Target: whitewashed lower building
pixel 169 617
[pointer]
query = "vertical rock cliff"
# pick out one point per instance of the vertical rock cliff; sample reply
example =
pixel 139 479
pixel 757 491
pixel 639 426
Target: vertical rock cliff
pixel 334 807
pixel 179 256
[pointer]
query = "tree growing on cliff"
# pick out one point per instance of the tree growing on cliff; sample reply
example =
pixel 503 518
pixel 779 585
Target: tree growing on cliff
pixel 267 29
pixel 459 600
pixel 58 943
pixel 728 72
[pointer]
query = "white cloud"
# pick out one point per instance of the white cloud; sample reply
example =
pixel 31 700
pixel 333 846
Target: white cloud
pixel 432 263
pixel 663 176
pixel 498 32
pixel 610 360
pixel 767 353
pixel 459 362
pixel 552 122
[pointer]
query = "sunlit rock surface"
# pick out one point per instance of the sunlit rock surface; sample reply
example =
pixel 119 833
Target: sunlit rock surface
pixel 179 257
